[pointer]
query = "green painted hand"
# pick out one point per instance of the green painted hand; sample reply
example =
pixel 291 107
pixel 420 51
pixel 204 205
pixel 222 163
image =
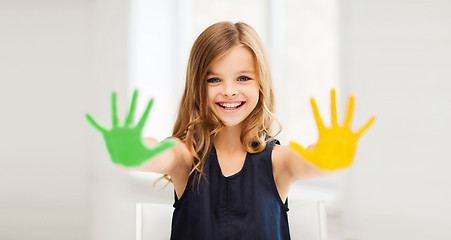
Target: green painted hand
pixel 125 143
pixel 336 146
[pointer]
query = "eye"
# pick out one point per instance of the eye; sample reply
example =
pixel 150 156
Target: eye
pixel 213 80
pixel 243 78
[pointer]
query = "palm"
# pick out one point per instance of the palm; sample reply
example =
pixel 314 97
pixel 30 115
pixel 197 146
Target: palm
pixel 336 146
pixel 125 143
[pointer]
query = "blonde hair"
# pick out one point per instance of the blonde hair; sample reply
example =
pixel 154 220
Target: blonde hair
pixel 196 124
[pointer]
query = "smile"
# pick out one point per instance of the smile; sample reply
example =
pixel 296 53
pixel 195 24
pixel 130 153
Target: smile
pixel 229 106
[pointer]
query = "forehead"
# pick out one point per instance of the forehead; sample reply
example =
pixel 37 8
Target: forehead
pixel 239 59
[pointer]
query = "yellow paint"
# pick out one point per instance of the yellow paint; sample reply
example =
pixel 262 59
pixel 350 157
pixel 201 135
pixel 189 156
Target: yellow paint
pixel 336 146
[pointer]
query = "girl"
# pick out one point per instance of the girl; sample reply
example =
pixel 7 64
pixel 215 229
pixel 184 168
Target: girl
pixel 231 177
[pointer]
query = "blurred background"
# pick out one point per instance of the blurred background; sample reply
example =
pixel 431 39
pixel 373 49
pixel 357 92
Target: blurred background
pixel 62 59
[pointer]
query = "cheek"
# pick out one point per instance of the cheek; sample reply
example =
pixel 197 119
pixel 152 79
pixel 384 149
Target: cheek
pixel 256 98
pixel 255 93
pixel 210 96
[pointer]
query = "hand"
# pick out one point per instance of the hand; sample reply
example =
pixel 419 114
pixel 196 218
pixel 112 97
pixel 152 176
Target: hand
pixel 336 146
pixel 124 143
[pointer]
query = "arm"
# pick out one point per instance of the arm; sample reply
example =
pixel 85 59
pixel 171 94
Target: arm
pixel 169 161
pixel 295 167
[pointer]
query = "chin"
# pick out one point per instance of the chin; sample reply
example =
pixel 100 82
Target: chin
pixel 231 123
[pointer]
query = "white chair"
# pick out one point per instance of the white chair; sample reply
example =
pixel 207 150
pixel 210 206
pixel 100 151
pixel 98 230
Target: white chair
pixel 153 221
pixel 307 220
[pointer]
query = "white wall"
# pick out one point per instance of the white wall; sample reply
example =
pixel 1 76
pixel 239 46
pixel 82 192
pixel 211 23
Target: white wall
pixel 396 58
pixel 45 70
pixel 60 60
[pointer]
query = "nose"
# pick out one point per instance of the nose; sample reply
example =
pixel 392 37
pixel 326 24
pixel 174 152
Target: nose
pixel 230 89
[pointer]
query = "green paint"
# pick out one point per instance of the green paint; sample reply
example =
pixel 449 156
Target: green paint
pixel 125 143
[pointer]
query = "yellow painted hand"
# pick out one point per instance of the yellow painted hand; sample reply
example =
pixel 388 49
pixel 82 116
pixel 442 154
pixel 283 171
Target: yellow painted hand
pixel 336 146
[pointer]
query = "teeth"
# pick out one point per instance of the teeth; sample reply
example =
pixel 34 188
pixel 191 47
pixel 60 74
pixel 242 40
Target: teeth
pixel 230 105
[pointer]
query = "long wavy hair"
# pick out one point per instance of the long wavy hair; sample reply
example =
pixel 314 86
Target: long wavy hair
pixel 196 124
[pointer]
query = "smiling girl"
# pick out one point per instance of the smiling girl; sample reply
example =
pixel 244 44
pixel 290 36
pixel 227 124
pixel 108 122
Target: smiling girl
pixel 231 176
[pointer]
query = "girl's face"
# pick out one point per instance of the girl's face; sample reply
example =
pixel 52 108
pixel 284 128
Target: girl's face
pixel 232 90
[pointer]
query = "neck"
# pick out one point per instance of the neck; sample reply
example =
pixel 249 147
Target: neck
pixel 228 139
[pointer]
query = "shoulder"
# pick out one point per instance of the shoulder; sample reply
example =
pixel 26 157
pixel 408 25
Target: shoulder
pixel 280 158
pixel 280 152
pixel 280 155
pixel 183 154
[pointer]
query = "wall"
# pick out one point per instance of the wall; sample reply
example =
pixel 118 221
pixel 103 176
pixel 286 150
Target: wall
pixel 45 61
pixel 395 57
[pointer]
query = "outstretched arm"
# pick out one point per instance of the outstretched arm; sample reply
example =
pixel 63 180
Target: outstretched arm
pixel 335 148
pixel 170 162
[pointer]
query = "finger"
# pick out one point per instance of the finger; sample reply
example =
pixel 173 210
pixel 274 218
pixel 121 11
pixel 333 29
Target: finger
pixel 131 113
pixel 349 112
pixel 333 108
pixel 143 119
pixel 299 149
pixel 367 125
pixel 93 123
pixel 319 122
pixel 114 110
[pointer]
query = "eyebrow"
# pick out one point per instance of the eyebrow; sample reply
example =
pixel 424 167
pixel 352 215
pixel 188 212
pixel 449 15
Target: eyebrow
pixel 244 71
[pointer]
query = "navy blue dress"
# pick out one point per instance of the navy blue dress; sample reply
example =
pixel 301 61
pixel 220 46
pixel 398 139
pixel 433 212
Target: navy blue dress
pixel 244 206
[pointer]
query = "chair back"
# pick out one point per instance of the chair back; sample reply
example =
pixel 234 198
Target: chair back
pixel 307 220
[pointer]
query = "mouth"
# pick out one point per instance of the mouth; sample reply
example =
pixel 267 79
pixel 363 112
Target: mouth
pixel 230 105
